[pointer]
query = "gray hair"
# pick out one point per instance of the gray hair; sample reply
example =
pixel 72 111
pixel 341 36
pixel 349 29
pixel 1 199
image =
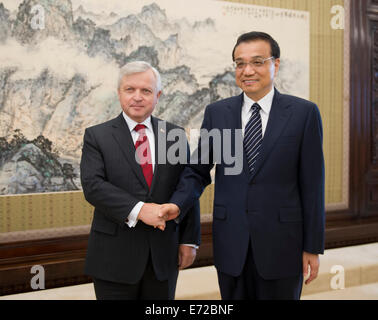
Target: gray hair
pixel 136 67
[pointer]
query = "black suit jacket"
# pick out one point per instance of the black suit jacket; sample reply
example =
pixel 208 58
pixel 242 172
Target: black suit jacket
pixel 279 209
pixel 113 183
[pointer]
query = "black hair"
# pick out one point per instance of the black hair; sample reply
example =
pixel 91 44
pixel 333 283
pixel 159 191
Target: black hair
pixel 255 35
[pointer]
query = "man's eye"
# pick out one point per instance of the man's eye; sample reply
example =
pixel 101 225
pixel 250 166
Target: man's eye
pixel 147 91
pixel 258 63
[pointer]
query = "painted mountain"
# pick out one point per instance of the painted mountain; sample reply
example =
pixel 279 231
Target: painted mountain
pixel 58 80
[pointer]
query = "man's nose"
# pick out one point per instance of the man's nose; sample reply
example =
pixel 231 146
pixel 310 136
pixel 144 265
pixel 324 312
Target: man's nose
pixel 137 95
pixel 249 69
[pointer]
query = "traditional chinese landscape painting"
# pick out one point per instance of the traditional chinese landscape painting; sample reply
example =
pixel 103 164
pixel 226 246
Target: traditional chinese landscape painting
pixel 59 62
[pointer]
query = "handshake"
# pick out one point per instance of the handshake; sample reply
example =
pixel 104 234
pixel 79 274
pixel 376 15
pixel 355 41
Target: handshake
pixel 157 214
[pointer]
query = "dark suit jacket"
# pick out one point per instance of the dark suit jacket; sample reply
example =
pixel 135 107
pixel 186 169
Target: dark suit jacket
pixel 113 183
pixel 279 208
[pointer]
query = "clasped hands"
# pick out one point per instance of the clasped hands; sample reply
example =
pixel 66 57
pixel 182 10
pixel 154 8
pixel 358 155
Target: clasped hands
pixel 157 214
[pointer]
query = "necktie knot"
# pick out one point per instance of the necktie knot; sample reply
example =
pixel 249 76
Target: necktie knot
pixel 255 107
pixel 139 127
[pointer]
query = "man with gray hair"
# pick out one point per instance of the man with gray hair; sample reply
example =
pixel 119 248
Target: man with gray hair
pixel 133 253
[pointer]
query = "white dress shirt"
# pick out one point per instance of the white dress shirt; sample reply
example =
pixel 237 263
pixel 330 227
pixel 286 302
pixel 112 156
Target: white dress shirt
pixel 265 103
pixel 133 216
pixel 132 219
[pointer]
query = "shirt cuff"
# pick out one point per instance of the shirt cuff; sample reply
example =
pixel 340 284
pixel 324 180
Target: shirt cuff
pixel 190 245
pixel 132 219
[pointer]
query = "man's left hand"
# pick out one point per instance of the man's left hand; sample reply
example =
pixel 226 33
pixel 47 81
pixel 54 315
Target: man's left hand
pixel 311 260
pixel 187 254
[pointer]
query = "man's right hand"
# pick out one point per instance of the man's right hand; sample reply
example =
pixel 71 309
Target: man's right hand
pixel 149 214
pixel 169 211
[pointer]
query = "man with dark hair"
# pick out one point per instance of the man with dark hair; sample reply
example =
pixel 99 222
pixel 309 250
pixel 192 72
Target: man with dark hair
pixel 268 220
pixel 275 50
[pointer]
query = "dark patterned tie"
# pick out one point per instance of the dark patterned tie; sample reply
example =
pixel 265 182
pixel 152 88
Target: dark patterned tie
pixel 253 137
pixel 143 151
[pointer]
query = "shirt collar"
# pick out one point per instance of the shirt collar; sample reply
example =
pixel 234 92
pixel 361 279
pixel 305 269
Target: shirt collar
pixel 131 123
pixel 265 103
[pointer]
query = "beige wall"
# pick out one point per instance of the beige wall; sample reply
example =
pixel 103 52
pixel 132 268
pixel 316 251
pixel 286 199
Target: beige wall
pixel 328 88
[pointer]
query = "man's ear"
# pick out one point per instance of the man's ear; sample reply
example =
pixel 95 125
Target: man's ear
pixel 276 66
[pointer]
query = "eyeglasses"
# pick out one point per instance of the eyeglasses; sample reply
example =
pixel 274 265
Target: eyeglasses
pixel 255 63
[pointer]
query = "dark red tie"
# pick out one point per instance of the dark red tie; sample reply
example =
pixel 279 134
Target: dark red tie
pixel 143 151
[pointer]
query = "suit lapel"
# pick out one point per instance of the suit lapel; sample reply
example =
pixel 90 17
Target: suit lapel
pixel 158 167
pixel 123 137
pixel 278 118
pixel 235 112
pixel 236 117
